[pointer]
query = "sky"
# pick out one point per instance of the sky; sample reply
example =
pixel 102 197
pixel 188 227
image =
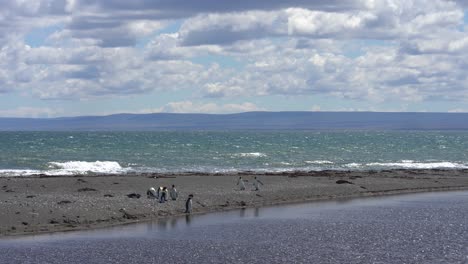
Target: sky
pixel 100 57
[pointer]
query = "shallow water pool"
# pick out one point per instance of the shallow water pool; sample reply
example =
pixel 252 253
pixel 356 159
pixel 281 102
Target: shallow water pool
pixel 417 228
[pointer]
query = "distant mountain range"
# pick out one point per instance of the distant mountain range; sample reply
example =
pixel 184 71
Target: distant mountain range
pixel 244 121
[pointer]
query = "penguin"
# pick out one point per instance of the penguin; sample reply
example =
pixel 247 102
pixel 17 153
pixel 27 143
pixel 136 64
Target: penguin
pixel 241 184
pixel 166 193
pixel 256 183
pixel 151 193
pixel 188 204
pixel 159 193
pixel 163 195
pixel 174 194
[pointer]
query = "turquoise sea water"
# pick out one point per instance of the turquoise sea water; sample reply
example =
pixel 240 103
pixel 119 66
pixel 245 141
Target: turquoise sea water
pixel 54 153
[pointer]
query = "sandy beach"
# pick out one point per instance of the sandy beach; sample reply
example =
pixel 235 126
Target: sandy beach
pixel 61 203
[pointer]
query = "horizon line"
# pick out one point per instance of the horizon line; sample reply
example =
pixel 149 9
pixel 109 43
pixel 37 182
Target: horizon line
pixel 236 113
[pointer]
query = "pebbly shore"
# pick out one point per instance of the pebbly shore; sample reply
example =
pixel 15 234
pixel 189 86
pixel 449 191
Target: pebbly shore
pixel 41 203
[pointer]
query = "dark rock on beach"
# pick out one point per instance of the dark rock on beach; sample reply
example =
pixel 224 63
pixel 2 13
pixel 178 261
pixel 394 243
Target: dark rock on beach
pixel 134 195
pixel 127 215
pixel 87 189
pixel 343 182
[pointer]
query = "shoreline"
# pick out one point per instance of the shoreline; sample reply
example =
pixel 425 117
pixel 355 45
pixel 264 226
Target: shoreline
pixel 33 205
pixel 290 173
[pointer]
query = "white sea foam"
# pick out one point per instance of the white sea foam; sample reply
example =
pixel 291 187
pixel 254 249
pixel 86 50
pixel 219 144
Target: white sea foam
pixel 251 154
pixel 6 173
pixel 407 161
pixel 318 162
pixel 70 168
pixel 84 167
pixel 353 165
pixel 420 165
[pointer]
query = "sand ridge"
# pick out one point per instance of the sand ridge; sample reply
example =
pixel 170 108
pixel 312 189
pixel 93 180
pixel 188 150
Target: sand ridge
pixel 60 203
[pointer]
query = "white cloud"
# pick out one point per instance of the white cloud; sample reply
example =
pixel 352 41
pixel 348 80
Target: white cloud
pixel 27 111
pixel 191 107
pixel 382 50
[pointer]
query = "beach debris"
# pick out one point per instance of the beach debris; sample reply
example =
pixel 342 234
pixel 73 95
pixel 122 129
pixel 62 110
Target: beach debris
pixel 64 202
pixel 81 180
pixel 134 195
pixel 258 195
pixel 355 177
pixel 241 203
pixel 70 222
pixel 202 205
pixel 108 195
pixel 13 228
pixel 343 182
pixel 53 221
pixel 162 213
pixel 115 183
pixel 87 189
pixel 25 223
pixel 127 215
pixel 30 196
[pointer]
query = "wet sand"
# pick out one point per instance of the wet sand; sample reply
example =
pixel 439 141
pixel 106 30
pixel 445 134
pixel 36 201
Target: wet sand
pixel 48 204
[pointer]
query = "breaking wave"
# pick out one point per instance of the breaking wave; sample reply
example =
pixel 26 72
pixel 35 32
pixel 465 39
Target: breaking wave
pixel 84 167
pixel 251 154
pixel 113 167
pixel 409 164
pixel 71 168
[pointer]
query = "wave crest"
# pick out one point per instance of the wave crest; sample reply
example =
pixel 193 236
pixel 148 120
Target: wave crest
pixel 251 154
pixel 83 167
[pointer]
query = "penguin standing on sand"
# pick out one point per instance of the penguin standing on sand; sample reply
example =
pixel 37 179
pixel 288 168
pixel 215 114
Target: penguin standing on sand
pixel 256 183
pixel 151 193
pixel 174 194
pixel 241 183
pixel 163 195
pixel 188 204
pixel 159 193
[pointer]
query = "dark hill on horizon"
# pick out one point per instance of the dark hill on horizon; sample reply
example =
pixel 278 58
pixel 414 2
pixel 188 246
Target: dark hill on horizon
pixel 244 121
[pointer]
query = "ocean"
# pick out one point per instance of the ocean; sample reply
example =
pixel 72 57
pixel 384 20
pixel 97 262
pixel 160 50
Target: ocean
pixel 70 153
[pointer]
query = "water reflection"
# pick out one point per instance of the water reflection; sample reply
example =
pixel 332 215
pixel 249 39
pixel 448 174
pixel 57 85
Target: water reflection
pixel 173 223
pixel 257 212
pixel 162 224
pixel 305 211
pixel 188 219
pixel 242 212
pixel 245 213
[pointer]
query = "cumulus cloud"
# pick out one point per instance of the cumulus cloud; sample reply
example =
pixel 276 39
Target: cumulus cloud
pixel 27 111
pixel 379 50
pixel 191 107
pixel 375 20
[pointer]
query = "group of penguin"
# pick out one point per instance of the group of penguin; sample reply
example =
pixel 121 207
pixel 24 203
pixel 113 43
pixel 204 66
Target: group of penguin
pixel 256 183
pixel 162 193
